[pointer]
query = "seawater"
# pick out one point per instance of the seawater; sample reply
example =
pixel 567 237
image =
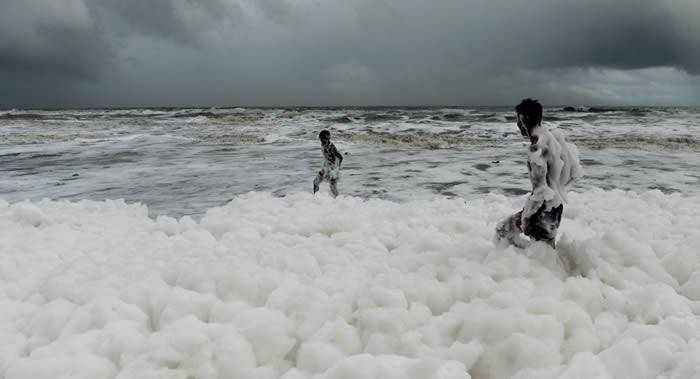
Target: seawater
pixel 183 161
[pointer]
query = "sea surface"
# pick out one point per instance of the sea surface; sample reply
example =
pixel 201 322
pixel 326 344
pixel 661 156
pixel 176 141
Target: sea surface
pixel 183 161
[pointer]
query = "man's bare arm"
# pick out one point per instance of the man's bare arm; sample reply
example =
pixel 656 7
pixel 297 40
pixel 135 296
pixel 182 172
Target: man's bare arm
pixel 537 168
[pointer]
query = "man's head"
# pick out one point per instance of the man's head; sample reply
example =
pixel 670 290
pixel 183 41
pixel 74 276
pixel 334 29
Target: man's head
pixel 324 136
pixel 529 113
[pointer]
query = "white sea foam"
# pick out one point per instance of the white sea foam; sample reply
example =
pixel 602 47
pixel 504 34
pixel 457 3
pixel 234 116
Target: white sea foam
pixel 309 287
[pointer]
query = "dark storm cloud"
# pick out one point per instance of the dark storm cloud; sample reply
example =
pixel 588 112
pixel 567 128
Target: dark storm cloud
pixel 184 21
pixel 78 38
pixel 626 34
pixel 41 37
pixel 219 52
pixel 502 34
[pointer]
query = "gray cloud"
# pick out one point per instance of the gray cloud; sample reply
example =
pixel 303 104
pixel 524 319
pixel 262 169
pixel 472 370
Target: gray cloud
pixel 42 37
pixel 78 37
pixel 184 21
pixel 266 52
pixel 501 34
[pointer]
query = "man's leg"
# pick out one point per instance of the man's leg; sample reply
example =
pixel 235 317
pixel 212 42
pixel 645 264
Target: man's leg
pixel 317 180
pixel 334 187
pixel 509 230
pixel 545 225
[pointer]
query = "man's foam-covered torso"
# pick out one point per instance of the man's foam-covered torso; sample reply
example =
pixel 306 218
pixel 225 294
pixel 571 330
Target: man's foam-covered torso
pixel 552 164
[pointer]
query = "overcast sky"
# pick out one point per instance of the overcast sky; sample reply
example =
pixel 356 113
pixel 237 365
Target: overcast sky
pixel 92 53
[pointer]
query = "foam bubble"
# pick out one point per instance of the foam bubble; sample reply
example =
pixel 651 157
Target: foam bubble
pixel 311 287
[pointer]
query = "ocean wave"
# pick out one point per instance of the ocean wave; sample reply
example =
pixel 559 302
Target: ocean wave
pixel 229 139
pixel 415 140
pixel 420 140
pixel 36 138
pixel 440 141
pixel 633 110
pixel 375 118
pixel 175 115
pixel 13 115
pixel 639 142
pixel 212 138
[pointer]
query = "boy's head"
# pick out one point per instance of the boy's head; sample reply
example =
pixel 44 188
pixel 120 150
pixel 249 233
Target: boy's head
pixel 324 136
pixel 529 113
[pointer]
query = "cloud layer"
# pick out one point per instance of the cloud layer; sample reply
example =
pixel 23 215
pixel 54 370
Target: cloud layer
pixel 267 52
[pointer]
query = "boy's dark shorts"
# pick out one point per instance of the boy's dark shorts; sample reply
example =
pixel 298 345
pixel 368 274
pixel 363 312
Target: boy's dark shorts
pixel 544 224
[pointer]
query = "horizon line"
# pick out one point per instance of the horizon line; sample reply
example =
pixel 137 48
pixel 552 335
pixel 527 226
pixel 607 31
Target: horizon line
pixel 198 106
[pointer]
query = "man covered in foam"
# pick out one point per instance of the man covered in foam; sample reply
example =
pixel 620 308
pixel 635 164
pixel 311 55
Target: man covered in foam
pixel 552 164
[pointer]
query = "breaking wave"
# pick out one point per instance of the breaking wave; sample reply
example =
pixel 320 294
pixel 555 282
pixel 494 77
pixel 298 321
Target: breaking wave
pixel 39 138
pixel 439 141
pixel 415 140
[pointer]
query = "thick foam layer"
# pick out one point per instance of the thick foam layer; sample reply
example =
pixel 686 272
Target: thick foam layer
pixel 309 287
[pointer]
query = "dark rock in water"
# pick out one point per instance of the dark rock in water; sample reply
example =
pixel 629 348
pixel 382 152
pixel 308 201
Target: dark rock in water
pixel 76 174
pixel 496 162
pixel 637 111
pixel 583 109
pixel 602 110
pixel 482 166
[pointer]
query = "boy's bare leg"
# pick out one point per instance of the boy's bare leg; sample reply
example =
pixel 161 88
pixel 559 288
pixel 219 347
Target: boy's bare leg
pixel 317 180
pixel 334 187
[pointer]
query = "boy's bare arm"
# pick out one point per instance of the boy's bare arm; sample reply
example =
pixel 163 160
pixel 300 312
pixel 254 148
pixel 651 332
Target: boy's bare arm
pixel 338 155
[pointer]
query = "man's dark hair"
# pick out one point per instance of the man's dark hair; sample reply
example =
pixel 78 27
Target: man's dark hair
pixel 531 109
pixel 324 134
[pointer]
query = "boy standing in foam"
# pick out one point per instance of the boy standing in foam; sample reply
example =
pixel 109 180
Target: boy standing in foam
pixel 552 164
pixel 330 170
